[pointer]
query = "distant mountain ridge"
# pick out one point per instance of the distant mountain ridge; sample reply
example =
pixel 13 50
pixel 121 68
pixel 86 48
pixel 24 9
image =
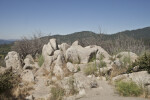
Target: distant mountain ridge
pixel 143 33
pixel 2 41
pixel 132 40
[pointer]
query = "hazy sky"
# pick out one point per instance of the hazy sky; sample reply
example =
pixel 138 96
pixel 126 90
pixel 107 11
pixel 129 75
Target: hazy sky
pixel 24 17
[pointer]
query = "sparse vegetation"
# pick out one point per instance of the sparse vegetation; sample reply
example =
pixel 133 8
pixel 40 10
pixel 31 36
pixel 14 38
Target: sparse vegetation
pixel 129 88
pixel 40 60
pixel 57 93
pixel 127 61
pixel 8 81
pixel 31 45
pixel 73 90
pixel 143 62
pixel 90 69
pixel 4 49
pixel 102 64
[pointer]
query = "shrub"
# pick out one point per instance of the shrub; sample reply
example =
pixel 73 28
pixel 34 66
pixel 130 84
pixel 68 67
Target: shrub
pixel 57 93
pixel 2 63
pixel 143 62
pixel 8 81
pixel 40 60
pixel 128 88
pixel 73 90
pixel 27 45
pixel 90 69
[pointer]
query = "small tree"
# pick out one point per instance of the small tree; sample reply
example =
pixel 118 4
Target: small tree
pixel 31 45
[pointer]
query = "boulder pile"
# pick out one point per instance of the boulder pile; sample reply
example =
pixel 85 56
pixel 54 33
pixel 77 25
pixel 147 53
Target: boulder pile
pixel 64 67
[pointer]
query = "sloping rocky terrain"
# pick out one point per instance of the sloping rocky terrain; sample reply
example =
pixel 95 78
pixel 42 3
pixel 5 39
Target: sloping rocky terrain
pixel 64 68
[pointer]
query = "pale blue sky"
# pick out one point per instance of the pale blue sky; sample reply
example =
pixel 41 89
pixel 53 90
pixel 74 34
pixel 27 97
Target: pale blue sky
pixel 24 17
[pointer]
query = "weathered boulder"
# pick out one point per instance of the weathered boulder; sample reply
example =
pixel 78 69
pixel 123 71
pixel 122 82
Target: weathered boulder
pixel 141 78
pixel 122 55
pixel 56 53
pixel 54 44
pixel 78 82
pixel 63 47
pixel 13 60
pixel 72 67
pixel 93 84
pixel 59 64
pixel 27 76
pixel 75 43
pixel 48 53
pixel 29 63
pixel 72 55
pixel 47 50
pixel 78 54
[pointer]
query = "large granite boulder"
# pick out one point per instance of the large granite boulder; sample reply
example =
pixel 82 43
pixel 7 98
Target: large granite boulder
pixel 141 78
pixel 13 60
pixel 123 55
pixel 78 54
pixel 59 65
pixel 63 47
pixel 29 63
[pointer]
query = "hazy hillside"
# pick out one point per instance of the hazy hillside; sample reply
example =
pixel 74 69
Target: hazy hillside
pixel 2 41
pixel 143 34
pixel 126 40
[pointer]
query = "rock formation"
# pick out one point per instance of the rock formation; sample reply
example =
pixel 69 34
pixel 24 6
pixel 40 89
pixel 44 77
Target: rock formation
pixel 64 66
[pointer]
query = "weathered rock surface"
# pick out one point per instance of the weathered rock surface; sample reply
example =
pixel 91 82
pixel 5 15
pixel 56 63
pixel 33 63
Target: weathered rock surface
pixel 61 68
pixel 29 63
pixel 41 90
pixel 78 54
pixel 13 60
pixel 27 76
pixel 72 67
pixel 140 78
pixel 58 68
pixel 130 55
pixel 64 47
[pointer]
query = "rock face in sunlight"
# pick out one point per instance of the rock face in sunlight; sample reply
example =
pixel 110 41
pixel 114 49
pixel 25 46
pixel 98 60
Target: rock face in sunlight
pixel 13 60
pixel 66 71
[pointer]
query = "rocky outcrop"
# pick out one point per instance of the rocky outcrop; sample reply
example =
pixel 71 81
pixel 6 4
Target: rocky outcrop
pixel 29 63
pixel 72 67
pixel 63 47
pixel 77 54
pixel 27 76
pixel 64 66
pixel 122 55
pixel 141 78
pixel 59 64
pixel 13 60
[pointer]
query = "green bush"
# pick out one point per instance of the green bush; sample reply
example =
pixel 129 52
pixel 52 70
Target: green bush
pixel 143 62
pixel 7 81
pixel 40 60
pixel 90 69
pixel 128 88
pixel 57 93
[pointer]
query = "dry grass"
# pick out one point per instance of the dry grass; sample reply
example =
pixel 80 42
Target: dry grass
pixel 117 71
